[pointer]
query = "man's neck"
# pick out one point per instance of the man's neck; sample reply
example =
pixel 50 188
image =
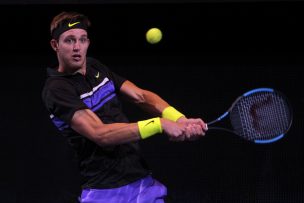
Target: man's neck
pixel 81 71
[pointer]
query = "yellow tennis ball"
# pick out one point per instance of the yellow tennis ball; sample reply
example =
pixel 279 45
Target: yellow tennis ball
pixel 154 35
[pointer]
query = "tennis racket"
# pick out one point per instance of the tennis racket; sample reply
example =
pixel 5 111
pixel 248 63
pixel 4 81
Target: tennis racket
pixel 261 115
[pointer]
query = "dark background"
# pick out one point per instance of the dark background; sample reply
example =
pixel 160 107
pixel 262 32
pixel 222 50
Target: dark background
pixel 211 52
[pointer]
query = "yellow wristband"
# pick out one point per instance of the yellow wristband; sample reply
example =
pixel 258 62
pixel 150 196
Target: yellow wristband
pixel 172 114
pixel 149 127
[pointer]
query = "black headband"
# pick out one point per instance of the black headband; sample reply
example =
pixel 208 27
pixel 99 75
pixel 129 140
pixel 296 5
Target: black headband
pixel 65 26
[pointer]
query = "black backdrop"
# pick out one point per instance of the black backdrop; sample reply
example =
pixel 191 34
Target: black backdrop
pixel 210 54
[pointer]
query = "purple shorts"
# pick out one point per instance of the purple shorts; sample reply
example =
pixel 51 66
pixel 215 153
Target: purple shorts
pixel 146 190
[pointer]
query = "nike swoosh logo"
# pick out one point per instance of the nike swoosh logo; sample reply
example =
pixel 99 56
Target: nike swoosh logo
pixel 149 122
pixel 97 76
pixel 72 24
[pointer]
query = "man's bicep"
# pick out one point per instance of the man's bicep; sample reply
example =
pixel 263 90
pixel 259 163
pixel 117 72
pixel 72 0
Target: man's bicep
pixel 85 122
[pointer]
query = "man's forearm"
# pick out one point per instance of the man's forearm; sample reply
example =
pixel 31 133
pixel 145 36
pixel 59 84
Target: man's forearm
pixel 152 103
pixel 117 133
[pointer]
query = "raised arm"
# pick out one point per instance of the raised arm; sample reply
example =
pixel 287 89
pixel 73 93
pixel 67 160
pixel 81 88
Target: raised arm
pixel 155 105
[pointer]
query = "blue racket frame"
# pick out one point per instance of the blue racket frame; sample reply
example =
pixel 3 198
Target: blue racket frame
pixel 227 113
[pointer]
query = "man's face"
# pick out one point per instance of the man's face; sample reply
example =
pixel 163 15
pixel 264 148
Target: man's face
pixel 72 49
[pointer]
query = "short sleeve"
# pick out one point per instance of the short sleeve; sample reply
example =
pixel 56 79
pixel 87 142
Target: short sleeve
pixel 61 100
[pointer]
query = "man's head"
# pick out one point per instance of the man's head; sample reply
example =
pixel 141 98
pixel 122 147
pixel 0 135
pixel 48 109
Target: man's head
pixel 70 40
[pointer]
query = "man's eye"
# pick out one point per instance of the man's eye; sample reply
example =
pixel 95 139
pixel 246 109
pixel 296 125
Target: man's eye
pixel 69 41
pixel 83 40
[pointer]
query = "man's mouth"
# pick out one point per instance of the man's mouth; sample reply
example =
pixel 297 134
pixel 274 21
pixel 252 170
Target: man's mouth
pixel 76 57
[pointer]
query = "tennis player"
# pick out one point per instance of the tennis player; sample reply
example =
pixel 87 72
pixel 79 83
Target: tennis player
pixel 83 98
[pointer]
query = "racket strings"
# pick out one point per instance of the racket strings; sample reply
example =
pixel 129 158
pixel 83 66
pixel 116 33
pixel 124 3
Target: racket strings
pixel 260 116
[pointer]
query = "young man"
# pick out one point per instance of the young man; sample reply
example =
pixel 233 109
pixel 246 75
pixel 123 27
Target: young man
pixel 81 95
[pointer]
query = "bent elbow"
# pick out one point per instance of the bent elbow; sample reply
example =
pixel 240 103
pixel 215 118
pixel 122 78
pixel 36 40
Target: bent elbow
pixel 140 98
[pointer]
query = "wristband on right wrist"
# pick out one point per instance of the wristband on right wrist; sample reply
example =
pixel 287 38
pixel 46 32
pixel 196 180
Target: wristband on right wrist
pixel 172 114
pixel 149 127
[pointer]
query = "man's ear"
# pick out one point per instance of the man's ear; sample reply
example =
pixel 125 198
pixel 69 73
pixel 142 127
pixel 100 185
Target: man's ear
pixel 54 44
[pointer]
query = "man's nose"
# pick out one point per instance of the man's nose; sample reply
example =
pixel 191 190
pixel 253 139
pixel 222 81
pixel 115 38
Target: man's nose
pixel 76 46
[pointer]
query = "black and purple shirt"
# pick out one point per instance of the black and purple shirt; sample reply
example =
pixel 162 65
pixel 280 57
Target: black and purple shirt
pixel 98 90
